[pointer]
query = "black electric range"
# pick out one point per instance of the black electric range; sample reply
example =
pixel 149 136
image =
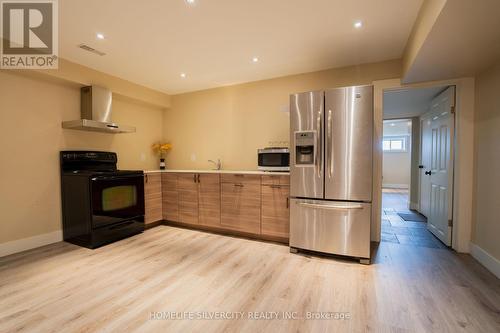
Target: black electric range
pixel 100 204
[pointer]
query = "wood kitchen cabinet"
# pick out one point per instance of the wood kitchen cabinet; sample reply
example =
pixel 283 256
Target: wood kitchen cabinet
pixel 170 204
pixel 249 203
pixel 275 210
pixel 209 193
pixel 187 189
pixel 241 202
pixel 152 198
pixel 275 180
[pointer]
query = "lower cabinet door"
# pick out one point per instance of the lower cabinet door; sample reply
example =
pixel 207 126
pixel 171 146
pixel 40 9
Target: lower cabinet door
pixel 209 199
pixel 275 211
pixel 170 204
pixel 187 188
pixel 152 198
pixel 240 207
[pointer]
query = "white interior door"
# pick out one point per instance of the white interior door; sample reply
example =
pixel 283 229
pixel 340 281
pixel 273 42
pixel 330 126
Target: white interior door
pixel 438 137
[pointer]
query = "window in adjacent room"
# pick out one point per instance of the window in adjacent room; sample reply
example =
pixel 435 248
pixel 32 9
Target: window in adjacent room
pixel 394 144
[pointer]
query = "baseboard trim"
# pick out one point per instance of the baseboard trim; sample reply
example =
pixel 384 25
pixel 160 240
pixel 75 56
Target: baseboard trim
pixel 152 224
pixel 228 232
pixel 29 243
pixel 486 259
pixel 397 186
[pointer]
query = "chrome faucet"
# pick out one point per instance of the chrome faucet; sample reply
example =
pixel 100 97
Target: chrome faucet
pixel 218 164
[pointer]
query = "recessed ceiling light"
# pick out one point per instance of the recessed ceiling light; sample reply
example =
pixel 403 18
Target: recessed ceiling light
pixel 255 59
pixel 183 75
pixel 190 2
pixel 358 24
pixel 100 36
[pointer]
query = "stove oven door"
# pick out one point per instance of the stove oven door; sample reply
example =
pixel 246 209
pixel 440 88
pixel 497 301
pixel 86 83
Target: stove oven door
pixel 116 199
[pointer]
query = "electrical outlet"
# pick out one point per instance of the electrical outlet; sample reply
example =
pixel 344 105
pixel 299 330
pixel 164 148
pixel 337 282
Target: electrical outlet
pixel 193 157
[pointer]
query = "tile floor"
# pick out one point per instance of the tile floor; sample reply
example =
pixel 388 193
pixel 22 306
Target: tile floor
pixel 397 230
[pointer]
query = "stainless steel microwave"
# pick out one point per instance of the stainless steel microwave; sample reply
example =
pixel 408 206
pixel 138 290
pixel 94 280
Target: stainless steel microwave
pixel 274 159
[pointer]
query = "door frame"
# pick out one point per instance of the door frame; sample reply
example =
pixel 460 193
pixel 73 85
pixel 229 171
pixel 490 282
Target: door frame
pixel 463 161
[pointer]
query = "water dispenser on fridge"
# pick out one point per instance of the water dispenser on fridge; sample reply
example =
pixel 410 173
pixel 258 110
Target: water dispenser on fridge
pixel 305 148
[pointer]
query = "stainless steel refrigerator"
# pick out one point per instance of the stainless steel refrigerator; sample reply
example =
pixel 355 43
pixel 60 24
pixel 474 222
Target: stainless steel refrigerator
pixel 331 160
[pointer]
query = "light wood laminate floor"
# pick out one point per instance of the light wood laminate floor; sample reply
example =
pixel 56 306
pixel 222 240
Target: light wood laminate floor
pixel 65 288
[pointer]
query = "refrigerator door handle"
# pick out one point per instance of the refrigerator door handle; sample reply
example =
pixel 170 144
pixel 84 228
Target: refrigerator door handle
pixel 329 144
pixel 318 151
pixel 330 206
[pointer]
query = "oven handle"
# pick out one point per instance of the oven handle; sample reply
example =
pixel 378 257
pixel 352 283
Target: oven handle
pixel 117 177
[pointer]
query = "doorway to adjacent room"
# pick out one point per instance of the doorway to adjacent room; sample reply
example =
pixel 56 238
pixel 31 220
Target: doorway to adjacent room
pixel 418 134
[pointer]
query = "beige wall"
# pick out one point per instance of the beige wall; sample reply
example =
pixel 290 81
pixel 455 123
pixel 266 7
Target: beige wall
pixel 232 122
pixel 486 228
pixel 31 111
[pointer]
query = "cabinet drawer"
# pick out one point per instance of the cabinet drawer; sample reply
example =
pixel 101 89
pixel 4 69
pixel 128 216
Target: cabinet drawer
pixel 240 207
pixel 240 178
pixel 275 180
pixel 331 227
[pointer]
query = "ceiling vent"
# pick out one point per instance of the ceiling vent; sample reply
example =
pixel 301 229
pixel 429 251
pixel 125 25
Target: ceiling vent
pixel 91 49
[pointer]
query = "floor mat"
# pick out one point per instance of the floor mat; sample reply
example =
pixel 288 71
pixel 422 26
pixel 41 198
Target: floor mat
pixel 416 217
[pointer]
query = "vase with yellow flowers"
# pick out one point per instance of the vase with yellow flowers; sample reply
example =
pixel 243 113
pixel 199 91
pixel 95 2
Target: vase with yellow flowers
pixel 161 150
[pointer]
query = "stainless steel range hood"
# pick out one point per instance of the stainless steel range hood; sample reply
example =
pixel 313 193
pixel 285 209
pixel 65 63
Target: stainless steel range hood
pixel 96 110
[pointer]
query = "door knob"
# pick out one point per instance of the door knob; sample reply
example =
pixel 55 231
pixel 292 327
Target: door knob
pixel 428 173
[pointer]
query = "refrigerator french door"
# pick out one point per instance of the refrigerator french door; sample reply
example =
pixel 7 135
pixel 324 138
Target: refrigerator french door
pixel 331 170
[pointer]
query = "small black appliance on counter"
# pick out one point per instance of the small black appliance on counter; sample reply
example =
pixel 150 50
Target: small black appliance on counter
pixel 100 204
pixel 275 159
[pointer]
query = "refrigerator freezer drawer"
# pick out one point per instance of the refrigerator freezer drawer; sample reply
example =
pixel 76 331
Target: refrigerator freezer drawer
pixel 334 227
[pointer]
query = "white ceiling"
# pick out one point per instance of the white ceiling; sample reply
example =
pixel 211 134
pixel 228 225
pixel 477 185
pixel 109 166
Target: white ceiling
pixel 213 41
pixel 408 103
pixel 397 127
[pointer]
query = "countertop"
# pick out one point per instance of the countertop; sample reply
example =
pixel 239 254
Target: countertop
pixel 241 172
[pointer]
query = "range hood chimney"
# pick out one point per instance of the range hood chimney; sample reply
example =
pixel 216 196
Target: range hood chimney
pixel 96 112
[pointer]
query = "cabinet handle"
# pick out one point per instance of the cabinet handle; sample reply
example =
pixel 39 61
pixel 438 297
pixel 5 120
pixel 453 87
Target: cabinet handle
pixel 275 186
pixel 198 178
pixel 238 185
pixel 194 178
pixel 287 202
pixel 146 178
